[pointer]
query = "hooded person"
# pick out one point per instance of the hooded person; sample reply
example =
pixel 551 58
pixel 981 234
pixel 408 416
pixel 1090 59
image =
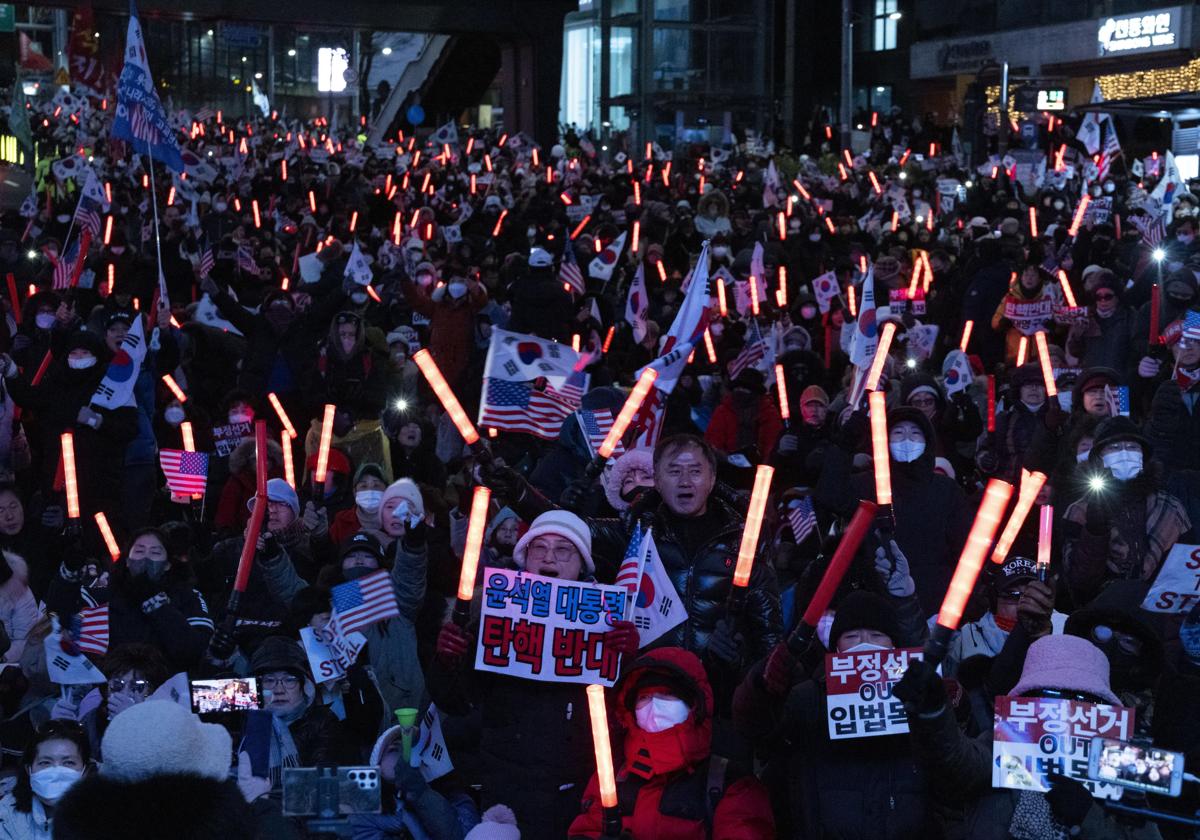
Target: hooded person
pixel 1126 523
pixel 1103 340
pixel 631 474
pixel 501 537
pixel 368 486
pixel 956 420
pixel 846 788
pixel 540 304
pixel 1027 417
pixel 747 419
pixel 670 784
pixel 63 403
pixel 516 713
pixel 165 774
pixel 959 768
pixel 349 373
pixel 930 510
pixel 303 733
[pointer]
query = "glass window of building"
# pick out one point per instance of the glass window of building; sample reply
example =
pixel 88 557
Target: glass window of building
pixel 884 36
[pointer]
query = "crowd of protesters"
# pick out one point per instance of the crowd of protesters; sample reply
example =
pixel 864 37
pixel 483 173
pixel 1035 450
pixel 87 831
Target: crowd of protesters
pixel 245 277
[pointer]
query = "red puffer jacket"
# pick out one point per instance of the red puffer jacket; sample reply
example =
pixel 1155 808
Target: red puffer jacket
pixel 682 795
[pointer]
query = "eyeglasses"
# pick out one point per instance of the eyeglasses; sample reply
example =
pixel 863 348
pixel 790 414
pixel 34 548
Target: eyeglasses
pixel 286 681
pixel 1106 297
pixel 117 685
pixel 562 553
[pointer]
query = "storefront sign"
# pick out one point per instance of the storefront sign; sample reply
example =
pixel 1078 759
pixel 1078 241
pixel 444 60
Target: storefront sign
pixel 1157 30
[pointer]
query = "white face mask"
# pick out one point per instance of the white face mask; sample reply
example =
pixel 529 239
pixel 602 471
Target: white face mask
pixel 240 417
pixel 457 290
pixel 659 712
pixel 220 206
pixel 50 784
pixel 1124 464
pixel 906 451
pixel 358 298
pixel 44 320
pixel 81 363
pixel 863 646
pixel 368 500
pixel 174 415
pixel 814 237
pixel 720 251
pixel 1082 457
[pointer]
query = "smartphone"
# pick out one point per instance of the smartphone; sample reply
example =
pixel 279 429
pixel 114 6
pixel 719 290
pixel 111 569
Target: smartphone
pixel 330 792
pixel 1136 766
pixel 236 694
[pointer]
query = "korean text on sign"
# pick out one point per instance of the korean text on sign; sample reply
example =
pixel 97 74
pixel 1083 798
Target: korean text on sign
pixel 547 629
pixel 1034 737
pixel 859 692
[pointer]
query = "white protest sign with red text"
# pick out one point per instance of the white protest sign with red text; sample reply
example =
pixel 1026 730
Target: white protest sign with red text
pixel 859 686
pixel 1034 737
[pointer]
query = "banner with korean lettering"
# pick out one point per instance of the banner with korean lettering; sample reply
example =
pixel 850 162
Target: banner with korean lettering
pixel 1034 736
pixel 546 629
pixel 858 688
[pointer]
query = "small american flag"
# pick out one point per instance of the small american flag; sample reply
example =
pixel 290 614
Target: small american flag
pixel 630 573
pixel 569 271
pixel 205 114
pixel 803 519
pixel 65 265
pixel 90 205
pixel 363 602
pixel 1153 228
pixel 519 407
pixel 206 260
pixel 1191 326
pixel 245 260
pixel 753 353
pixel 596 425
pixel 93 630
pixel 1117 399
pixel 186 472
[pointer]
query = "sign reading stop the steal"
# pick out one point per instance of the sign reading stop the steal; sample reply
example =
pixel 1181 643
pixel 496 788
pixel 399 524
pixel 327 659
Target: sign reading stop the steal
pixel 1177 587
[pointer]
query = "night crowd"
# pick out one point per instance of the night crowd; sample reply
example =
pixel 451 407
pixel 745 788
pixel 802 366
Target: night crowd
pixel 720 725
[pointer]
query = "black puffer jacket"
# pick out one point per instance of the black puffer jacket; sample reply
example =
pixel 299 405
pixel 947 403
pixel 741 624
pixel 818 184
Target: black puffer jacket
pixel 932 515
pixel 699 556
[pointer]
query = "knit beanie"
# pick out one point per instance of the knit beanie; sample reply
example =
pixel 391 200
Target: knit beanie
pixel 497 823
pixel 406 489
pixel 862 610
pixel 563 524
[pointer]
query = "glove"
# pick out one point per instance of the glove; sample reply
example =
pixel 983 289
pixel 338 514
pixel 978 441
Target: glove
pixel 779 670
pixel 645 502
pixel 209 286
pixel 21 342
pixel 222 645
pixel 1035 608
pixel 724 645
pixel 788 444
pixel 987 461
pixel 921 688
pixel 1069 800
pixel 504 480
pixel 415 534
pixel 623 638
pixel 574 494
pixel 894 571
pixel 268 546
pixel 316 520
pixel 1056 418
pixel 1148 367
pixel 252 787
pixel 452 643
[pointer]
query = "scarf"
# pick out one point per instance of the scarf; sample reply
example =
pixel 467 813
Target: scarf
pixel 1033 820
pixel 283 748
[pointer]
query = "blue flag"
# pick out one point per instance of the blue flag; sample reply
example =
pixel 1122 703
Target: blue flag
pixel 140 117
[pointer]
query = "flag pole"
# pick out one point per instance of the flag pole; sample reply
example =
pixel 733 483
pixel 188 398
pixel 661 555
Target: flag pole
pixel 164 301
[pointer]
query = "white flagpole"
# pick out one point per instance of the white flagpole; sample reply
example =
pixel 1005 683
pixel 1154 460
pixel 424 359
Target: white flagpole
pixel 164 302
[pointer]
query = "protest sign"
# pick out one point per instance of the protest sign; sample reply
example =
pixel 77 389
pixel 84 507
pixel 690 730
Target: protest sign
pixel 898 299
pixel 858 688
pixel 228 436
pixel 1034 737
pixel 546 629
pixel 329 656
pixel 1177 587
pixel 1029 317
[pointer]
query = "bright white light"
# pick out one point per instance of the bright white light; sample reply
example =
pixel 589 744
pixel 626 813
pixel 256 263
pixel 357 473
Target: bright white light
pixel 969 184
pixel 291 53
pixel 33 255
pixel 30 89
pixel 331 65
pixel 386 50
pixel 1096 483
pixel 401 405
pixel 895 16
pixel 1159 254
pixel 258 75
pixel 903 175
pixel 210 33
pixel 912 363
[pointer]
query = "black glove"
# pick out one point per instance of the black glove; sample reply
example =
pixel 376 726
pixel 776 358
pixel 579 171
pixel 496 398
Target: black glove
pixel 1069 800
pixel 645 502
pixel 921 688
pixel 724 645
pixel 271 548
pixel 222 645
pixel 573 496
pixel 415 536
pixel 504 480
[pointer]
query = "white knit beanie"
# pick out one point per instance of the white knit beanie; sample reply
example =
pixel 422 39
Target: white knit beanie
pixel 404 488
pixel 497 823
pixel 563 524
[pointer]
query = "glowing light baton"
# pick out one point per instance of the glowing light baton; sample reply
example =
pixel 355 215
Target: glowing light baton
pixel 632 404
pixel 476 526
pixel 1031 485
pixel 110 540
pixel 879 448
pixel 71 480
pixel 781 387
pixel 881 352
pixel 754 520
pixel 445 395
pixel 1045 535
pixel 171 384
pixel 1047 371
pixel 966 335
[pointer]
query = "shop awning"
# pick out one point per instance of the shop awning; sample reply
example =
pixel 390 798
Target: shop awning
pixel 1182 104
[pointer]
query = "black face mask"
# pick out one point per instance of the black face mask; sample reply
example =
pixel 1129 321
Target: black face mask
pixel 355 572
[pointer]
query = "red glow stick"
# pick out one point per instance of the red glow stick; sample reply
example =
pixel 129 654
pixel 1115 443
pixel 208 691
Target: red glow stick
pixel 476 526
pixel 879 447
pixel 1022 350
pixel 608 338
pixel 1047 371
pixel 14 298
pixel 603 747
pixel 753 294
pixel 881 352
pixel 974 552
pixel 71 480
pixel 1155 303
pixel 171 384
pixel 966 336
pixel 850 300
pixel 110 541
pixel 1033 221
pixel 709 348
pixel 289 467
pixel 781 387
pixel 852 538
pixel 1045 537
pixel 724 310
pixel 256 516
pixel 499 223
pixel 283 417
pixel 781 295
pixel 754 519
pixel 445 395
pixel 257 215
pixel 1031 485
pixel 1068 295
pixel 991 403
pixel 1079 211
pixel 632 403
